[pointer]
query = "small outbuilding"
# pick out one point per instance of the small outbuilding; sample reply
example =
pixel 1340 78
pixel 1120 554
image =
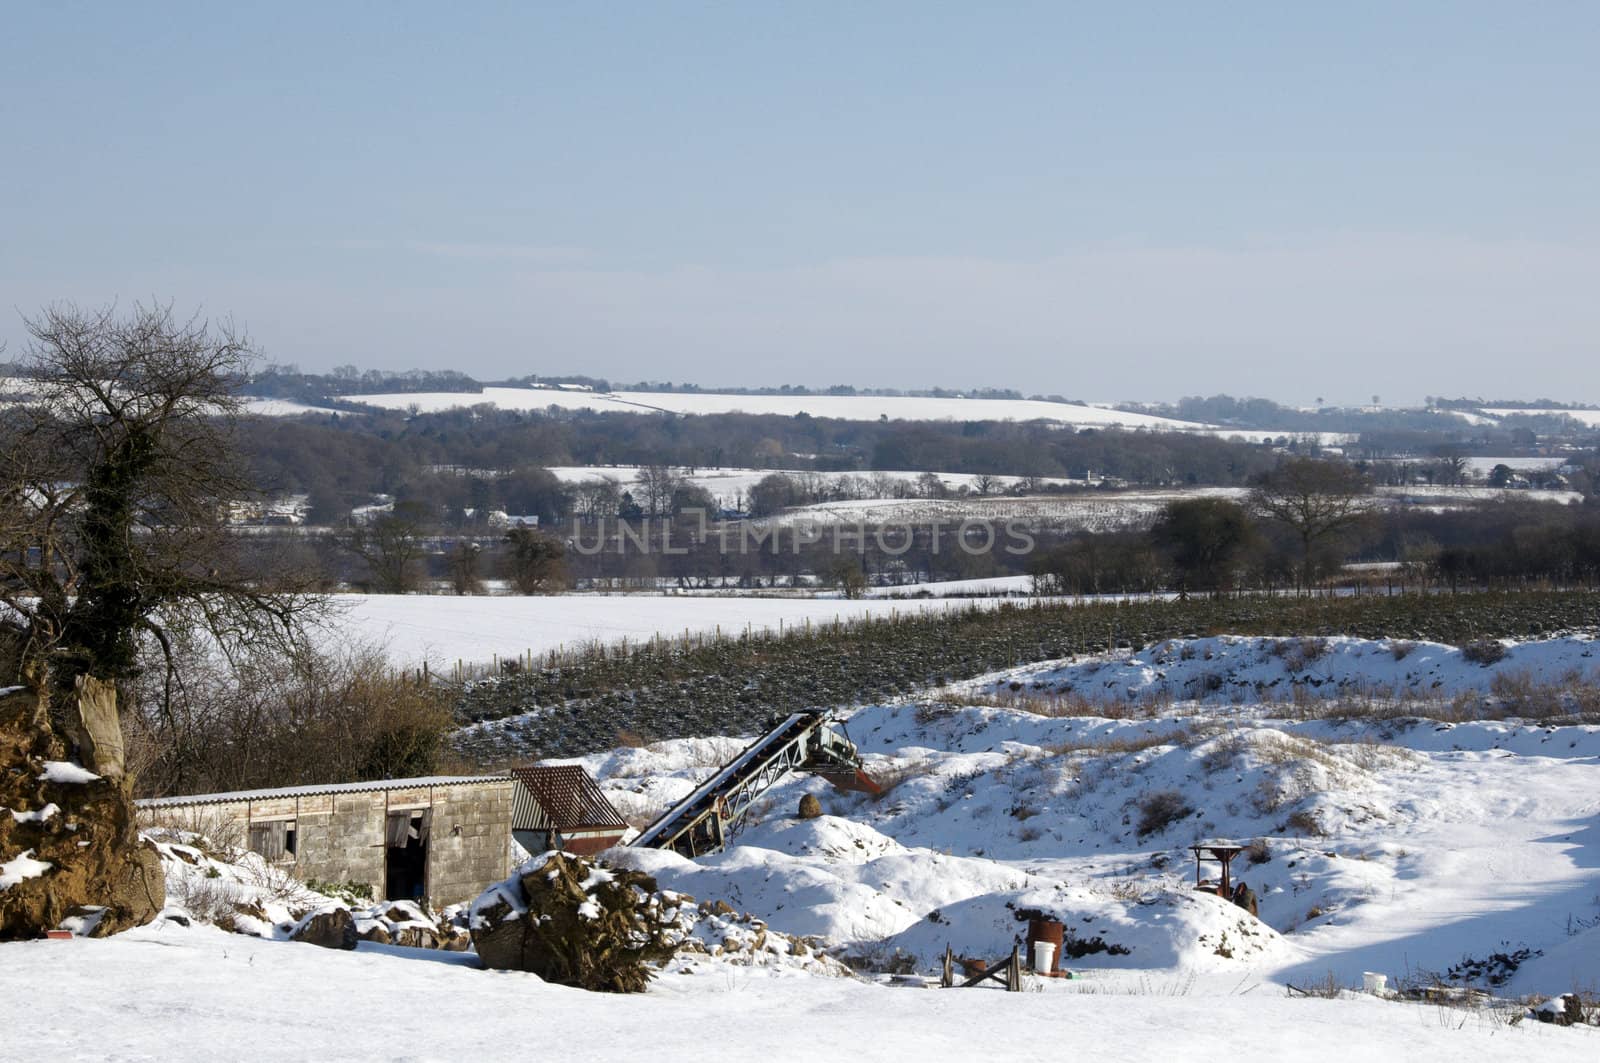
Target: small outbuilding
pixel 442 839
pixel 562 807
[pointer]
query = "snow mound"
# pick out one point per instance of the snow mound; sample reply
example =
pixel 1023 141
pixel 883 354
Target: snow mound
pixel 872 899
pixel 1249 670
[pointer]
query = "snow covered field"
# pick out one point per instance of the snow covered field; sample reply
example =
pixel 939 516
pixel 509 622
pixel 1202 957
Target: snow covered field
pixel 1447 496
pixel 281 408
pixel 1015 586
pixel 443 629
pixel 846 407
pixel 199 994
pixel 1482 467
pixel 1100 511
pixel 1587 417
pixel 1091 511
pixel 843 407
pixel 730 486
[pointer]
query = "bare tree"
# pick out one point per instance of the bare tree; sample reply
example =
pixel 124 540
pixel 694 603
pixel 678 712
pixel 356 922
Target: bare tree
pixel 1316 500
pixel 595 499
pixel 656 486
pixel 394 545
pixel 985 484
pixel 115 488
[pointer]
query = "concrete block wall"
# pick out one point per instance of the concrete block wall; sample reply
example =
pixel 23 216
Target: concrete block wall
pixel 470 843
pixel 341 839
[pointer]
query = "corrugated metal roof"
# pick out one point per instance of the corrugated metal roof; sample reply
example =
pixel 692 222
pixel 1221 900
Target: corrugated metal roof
pixel 565 797
pixel 328 788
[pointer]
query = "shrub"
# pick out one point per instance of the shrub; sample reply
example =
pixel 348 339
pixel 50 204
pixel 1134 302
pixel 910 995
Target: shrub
pixel 1401 649
pixel 1484 651
pixel 349 892
pixel 1258 852
pixel 1160 810
pixel 283 719
pixel 1224 754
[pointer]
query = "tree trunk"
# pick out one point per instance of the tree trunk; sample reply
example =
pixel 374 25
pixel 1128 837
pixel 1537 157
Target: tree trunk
pixel 97 729
pixel 69 837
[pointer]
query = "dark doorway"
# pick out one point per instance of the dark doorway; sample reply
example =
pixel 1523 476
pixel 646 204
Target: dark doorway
pixel 406 847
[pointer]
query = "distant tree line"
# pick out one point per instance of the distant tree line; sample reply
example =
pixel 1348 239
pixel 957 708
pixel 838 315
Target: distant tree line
pixel 485 459
pixel 1307 520
pixel 1302 523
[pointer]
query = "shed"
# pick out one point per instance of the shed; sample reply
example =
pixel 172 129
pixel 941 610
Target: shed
pixel 441 838
pixel 562 807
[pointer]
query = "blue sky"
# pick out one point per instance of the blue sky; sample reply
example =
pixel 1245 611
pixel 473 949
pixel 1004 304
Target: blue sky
pixel 1110 201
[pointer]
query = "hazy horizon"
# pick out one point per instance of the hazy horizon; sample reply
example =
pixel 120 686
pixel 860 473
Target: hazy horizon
pixel 1103 204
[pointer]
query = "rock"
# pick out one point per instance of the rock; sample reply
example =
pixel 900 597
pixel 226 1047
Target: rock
pixel 376 933
pixel 332 928
pixel 810 807
pixel 416 937
pixel 1565 1010
pixel 574 923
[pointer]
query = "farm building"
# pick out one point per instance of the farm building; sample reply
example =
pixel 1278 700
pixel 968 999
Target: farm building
pixel 443 838
pixel 561 807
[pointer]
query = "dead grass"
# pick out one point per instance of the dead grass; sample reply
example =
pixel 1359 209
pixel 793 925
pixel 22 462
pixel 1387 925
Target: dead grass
pixel 897 774
pixel 1124 744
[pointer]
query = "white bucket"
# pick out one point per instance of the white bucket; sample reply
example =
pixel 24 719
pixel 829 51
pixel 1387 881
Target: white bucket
pixel 1374 983
pixel 1044 957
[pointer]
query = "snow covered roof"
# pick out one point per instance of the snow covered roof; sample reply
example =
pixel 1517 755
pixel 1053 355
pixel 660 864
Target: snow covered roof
pixel 325 788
